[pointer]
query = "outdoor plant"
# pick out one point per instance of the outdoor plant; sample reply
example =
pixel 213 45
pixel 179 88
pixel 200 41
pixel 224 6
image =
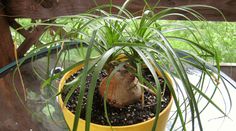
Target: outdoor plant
pixel 127 48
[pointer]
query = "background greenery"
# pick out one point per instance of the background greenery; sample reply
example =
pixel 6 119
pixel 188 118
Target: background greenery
pixel 223 36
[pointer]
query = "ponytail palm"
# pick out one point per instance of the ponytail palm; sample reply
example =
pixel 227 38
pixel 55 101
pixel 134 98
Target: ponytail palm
pixel 127 44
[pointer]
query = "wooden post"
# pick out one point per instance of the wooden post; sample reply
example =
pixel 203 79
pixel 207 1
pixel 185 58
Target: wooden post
pixel 14 116
pixel 6 43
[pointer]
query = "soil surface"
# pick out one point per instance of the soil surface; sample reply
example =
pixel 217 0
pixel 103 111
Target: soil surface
pixel 127 115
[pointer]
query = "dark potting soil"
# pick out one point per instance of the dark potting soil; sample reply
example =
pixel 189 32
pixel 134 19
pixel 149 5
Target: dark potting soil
pixel 127 115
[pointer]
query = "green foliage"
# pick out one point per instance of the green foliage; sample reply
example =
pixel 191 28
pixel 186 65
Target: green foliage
pixel 223 35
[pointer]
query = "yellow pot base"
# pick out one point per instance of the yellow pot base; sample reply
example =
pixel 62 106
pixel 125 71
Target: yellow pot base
pixel 143 126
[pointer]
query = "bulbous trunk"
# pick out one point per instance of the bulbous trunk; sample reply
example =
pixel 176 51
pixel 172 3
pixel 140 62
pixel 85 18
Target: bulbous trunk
pixel 122 90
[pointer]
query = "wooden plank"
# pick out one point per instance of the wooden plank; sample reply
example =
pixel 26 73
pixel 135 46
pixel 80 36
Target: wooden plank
pixel 53 8
pixel 227 7
pixel 35 9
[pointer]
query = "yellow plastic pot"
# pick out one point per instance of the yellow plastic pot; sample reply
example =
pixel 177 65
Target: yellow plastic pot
pixel 143 126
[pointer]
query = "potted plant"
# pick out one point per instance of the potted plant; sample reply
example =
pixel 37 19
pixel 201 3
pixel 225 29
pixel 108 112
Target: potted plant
pixel 135 60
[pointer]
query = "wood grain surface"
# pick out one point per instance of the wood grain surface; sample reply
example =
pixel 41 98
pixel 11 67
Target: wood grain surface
pixel 53 8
